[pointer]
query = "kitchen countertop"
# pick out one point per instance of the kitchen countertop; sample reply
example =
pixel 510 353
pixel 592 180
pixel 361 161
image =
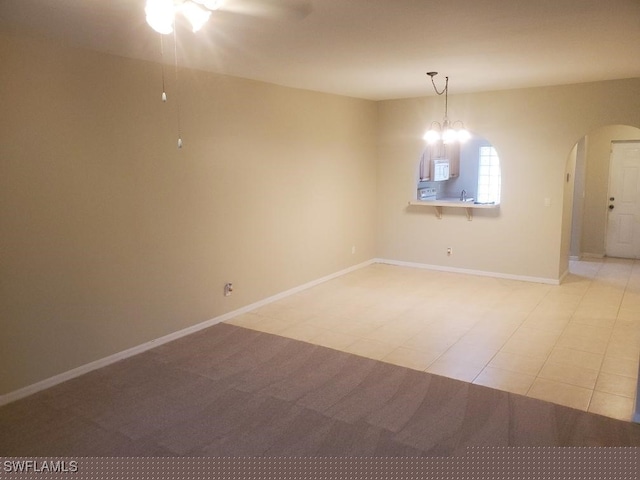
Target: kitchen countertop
pixel 452 202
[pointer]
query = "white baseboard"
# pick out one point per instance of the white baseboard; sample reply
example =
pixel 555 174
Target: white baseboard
pixel 592 255
pixel 482 273
pixel 116 357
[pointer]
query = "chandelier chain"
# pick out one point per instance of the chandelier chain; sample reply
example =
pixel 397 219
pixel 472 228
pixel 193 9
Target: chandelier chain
pixel 446 85
pixel 444 91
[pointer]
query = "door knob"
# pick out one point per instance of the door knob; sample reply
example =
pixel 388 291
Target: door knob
pixel 611 207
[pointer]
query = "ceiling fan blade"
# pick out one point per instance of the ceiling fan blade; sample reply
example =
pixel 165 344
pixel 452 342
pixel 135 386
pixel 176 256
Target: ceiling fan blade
pixel 294 9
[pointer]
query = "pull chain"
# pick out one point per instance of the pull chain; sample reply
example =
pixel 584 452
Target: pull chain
pixel 164 92
pixel 175 56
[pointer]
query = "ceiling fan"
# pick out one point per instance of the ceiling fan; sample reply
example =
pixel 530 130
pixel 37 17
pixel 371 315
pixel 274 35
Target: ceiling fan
pixel 161 13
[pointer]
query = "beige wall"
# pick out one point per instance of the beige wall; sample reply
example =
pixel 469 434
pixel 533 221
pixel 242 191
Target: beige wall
pixel 598 153
pixel 534 131
pixel 112 237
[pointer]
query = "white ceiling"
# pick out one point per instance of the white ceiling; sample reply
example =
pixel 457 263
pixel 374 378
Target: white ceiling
pixel 374 49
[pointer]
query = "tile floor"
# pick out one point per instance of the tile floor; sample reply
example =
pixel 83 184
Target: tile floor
pixel 576 344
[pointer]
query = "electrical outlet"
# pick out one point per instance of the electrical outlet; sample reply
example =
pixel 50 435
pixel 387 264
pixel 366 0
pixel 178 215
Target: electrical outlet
pixel 228 289
pixel 449 251
pixel 353 250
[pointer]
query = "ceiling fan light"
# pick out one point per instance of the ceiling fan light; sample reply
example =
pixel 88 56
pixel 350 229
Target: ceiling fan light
pixel 160 15
pixel 196 15
pixel 160 25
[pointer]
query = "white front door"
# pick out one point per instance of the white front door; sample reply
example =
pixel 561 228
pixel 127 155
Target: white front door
pixel 623 223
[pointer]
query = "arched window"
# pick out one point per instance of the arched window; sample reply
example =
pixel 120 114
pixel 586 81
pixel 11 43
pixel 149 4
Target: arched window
pixel 488 175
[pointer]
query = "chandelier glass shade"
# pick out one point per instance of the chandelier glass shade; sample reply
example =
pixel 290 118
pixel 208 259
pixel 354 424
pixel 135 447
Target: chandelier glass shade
pixel 447 132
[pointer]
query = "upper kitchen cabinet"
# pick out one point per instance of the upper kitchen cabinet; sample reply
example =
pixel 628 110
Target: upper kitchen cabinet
pixel 439 154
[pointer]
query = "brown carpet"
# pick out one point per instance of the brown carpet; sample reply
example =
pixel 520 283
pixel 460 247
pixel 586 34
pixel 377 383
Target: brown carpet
pixel 229 391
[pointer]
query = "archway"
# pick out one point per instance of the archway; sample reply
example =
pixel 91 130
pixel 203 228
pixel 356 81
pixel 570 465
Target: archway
pixel 586 197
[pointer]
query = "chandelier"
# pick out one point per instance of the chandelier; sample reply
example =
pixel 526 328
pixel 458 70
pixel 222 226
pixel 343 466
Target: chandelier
pixel 447 131
pixel 161 13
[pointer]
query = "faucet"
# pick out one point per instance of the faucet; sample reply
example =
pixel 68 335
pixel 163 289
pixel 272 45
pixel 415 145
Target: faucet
pixel 463 196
